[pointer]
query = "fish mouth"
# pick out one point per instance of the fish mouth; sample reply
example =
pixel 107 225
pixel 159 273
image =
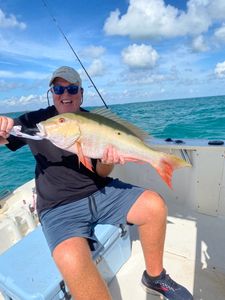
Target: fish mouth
pixel 30 131
pixel 40 130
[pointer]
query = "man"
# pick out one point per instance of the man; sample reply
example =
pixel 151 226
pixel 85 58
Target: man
pixel 71 200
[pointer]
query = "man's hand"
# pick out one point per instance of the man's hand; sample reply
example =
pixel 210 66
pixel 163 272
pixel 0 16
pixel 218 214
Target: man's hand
pixel 6 125
pixel 109 159
pixel 111 156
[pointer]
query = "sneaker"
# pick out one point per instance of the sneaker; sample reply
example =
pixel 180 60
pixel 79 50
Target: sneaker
pixel 165 287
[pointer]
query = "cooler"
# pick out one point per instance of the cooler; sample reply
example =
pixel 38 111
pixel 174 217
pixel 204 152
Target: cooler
pixel 28 272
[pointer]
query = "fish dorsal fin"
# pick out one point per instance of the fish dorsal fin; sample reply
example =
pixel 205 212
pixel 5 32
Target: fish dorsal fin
pixel 107 113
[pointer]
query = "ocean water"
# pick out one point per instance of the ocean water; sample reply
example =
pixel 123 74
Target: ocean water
pixel 195 118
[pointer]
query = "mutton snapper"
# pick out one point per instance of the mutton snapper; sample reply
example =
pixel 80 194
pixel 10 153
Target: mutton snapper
pixel 87 134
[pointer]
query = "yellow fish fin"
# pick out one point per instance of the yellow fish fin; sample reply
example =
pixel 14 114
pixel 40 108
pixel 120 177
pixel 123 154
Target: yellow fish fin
pixel 107 113
pixel 86 161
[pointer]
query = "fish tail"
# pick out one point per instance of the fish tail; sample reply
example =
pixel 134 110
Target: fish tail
pixel 166 165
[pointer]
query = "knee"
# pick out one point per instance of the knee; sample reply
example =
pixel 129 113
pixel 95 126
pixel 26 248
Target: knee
pixel 149 207
pixel 69 255
pixel 155 203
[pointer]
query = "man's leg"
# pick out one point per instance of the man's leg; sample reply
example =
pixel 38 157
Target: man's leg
pixel 74 260
pixel 149 212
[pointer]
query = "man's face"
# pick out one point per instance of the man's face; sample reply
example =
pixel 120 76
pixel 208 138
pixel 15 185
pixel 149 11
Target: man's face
pixel 66 102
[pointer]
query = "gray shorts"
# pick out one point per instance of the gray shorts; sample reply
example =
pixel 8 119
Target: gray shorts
pixel 109 205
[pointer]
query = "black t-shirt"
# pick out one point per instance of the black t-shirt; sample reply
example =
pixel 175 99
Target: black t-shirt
pixel 59 176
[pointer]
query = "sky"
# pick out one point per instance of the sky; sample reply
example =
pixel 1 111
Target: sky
pixel 133 50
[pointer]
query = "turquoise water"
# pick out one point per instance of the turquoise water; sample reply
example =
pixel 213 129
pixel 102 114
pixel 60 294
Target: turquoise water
pixel 197 118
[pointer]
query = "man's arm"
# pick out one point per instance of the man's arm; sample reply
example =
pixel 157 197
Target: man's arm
pixel 6 125
pixel 109 159
pixel 104 170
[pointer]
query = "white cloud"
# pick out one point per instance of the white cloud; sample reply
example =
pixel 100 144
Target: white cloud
pixel 220 70
pixel 23 75
pixel 140 56
pixel 93 51
pixel 25 100
pixel 96 68
pixel 26 48
pixel 153 18
pixel 215 8
pixel 5 86
pixel 10 21
pixel 220 33
pixel 144 77
pixel 199 45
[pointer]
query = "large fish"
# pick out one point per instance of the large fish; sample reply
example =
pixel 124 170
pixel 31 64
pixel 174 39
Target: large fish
pixel 87 134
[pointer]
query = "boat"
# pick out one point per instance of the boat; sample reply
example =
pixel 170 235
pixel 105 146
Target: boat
pixel 194 247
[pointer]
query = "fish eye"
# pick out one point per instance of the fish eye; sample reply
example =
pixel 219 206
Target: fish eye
pixel 61 120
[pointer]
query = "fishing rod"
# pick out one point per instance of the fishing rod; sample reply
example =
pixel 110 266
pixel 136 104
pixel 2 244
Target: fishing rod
pixel 74 52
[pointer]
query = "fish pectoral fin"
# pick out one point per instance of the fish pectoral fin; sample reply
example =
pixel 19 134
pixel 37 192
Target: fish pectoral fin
pixel 86 161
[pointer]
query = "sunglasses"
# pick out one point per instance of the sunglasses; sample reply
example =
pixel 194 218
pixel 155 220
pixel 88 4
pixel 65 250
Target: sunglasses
pixel 71 89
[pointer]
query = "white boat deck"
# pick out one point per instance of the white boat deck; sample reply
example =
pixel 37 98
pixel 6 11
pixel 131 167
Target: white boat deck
pixel 190 247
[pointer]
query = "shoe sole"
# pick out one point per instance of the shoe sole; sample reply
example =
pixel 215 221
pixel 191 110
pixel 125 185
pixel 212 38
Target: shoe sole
pixel 153 292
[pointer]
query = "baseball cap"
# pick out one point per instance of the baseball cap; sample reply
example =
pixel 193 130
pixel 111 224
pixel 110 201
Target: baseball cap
pixel 66 73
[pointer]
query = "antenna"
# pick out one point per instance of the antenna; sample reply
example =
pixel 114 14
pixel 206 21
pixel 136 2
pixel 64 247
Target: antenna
pixel 77 57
